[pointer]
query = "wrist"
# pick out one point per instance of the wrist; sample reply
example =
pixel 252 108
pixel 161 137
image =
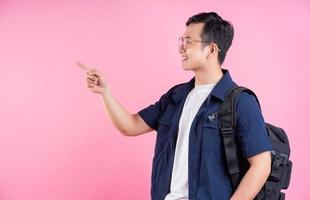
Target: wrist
pixel 105 90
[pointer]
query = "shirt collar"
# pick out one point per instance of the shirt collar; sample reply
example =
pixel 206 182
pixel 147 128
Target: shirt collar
pixel 219 91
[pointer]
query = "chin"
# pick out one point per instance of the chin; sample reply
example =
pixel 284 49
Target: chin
pixel 187 66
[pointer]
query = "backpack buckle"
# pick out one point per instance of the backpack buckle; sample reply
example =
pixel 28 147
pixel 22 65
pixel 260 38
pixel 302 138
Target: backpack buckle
pixel 226 131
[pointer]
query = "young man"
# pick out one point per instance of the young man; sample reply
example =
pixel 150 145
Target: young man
pixel 189 160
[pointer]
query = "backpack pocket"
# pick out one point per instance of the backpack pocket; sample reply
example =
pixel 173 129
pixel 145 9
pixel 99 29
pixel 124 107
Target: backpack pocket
pixel 287 176
pixel 279 165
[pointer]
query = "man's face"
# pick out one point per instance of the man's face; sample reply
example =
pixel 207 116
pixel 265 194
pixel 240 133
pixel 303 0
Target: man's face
pixel 193 55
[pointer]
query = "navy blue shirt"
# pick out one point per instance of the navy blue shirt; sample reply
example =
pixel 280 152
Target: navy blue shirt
pixel 208 177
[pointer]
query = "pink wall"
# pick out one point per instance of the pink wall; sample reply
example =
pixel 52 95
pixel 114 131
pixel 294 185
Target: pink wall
pixel 56 141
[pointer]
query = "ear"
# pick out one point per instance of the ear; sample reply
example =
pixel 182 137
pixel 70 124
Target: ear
pixel 212 49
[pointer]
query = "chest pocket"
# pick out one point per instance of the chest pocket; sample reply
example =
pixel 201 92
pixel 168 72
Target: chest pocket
pixel 211 135
pixel 210 119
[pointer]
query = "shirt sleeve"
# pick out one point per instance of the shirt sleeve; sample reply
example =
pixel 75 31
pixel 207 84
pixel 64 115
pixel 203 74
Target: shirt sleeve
pixel 151 113
pixel 251 131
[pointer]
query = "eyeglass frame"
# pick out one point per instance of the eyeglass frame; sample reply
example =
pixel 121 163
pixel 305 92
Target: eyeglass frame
pixel 193 40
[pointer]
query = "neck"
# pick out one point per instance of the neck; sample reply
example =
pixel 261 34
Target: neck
pixel 208 75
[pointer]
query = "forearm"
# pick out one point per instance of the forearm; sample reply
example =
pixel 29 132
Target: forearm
pixel 119 116
pixel 252 182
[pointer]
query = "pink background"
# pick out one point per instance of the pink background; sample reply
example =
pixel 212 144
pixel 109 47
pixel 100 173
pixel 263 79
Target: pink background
pixel 56 140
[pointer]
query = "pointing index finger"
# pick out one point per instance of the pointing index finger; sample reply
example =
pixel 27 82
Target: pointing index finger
pixel 82 65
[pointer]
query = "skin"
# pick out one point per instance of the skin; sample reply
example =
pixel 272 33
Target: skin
pixel 204 63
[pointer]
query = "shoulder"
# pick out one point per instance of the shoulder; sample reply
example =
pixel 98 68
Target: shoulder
pixel 246 101
pixel 249 114
pixel 168 94
pixel 175 87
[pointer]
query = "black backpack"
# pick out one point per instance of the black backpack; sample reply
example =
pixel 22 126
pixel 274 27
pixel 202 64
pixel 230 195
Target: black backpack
pixel 280 174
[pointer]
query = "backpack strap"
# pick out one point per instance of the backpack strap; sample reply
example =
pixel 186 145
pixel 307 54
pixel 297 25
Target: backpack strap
pixel 227 125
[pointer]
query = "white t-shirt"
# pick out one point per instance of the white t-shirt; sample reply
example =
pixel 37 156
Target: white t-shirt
pixel 179 180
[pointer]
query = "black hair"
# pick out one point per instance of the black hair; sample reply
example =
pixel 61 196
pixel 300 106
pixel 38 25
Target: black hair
pixel 216 30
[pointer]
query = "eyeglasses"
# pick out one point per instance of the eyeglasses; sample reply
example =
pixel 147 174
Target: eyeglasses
pixel 184 41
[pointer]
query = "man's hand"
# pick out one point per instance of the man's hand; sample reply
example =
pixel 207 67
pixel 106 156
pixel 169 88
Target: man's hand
pixel 94 79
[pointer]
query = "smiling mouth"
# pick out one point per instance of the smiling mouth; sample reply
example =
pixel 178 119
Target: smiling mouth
pixel 184 57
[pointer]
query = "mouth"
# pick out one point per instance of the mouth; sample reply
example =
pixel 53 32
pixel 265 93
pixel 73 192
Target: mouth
pixel 184 57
